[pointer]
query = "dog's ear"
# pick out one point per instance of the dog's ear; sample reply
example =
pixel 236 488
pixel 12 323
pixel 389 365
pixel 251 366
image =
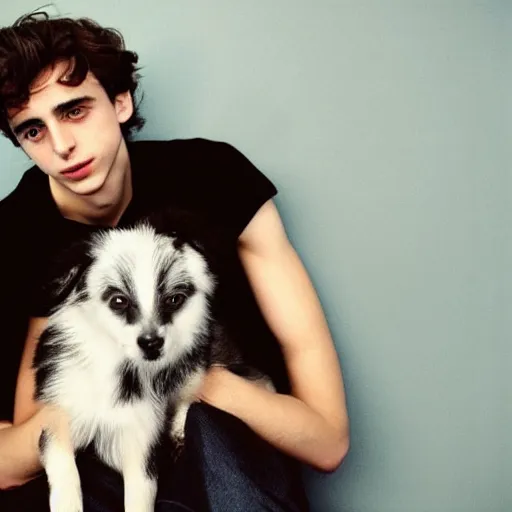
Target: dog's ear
pixel 66 273
pixel 68 280
pixel 192 229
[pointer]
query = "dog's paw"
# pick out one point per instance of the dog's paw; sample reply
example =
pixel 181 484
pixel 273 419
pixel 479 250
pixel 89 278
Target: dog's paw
pixel 177 436
pixel 177 430
pixel 64 499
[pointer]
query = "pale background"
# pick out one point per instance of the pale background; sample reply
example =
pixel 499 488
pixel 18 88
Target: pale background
pixel 386 127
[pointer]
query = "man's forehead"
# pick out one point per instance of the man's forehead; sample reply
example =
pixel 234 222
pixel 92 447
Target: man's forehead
pixel 46 77
pixel 48 91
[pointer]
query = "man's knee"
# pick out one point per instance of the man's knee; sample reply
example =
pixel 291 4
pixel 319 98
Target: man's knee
pixel 238 466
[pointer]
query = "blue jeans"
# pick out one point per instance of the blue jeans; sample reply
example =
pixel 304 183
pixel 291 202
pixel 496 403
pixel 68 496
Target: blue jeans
pixel 224 467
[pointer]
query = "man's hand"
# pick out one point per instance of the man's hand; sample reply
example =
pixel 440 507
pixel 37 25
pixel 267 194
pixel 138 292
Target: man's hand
pixel 217 385
pixel 19 446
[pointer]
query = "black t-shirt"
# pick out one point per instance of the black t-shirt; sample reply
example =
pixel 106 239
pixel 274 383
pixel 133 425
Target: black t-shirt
pixel 211 179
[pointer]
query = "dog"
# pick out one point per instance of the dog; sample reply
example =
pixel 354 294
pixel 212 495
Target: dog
pixel 124 354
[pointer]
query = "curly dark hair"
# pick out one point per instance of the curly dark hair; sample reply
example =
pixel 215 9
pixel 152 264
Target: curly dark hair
pixel 36 41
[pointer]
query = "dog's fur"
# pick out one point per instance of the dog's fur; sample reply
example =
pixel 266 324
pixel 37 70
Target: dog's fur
pixel 128 343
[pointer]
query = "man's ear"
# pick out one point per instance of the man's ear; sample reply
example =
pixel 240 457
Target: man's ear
pixel 123 104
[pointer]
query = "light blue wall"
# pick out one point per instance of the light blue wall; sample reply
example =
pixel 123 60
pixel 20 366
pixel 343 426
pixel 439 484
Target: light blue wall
pixel 386 126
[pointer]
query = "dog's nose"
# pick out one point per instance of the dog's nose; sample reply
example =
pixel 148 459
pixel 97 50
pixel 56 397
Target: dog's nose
pixel 150 342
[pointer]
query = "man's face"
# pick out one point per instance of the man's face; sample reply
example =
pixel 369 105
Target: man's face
pixel 72 134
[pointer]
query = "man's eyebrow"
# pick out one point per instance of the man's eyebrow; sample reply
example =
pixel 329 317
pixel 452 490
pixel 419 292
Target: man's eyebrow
pixel 59 109
pixel 17 130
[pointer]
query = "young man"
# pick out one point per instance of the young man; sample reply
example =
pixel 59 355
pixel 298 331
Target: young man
pixel 67 98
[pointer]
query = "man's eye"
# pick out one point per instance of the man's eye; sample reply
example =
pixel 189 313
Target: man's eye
pixel 76 113
pixel 33 134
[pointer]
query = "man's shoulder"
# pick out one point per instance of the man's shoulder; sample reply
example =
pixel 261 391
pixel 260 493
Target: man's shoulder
pixel 184 164
pixel 21 206
pixel 28 185
pixel 153 151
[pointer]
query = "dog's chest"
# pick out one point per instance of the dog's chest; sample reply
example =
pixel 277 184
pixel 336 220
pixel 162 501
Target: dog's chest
pixel 134 426
pixel 105 403
pixel 112 424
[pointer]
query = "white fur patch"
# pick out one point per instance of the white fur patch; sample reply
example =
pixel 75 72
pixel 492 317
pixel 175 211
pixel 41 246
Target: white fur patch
pixel 63 478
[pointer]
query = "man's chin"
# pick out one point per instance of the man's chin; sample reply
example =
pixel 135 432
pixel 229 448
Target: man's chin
pixel 89 186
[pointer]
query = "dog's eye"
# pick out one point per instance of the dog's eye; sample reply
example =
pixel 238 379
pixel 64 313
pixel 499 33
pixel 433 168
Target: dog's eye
pixel 118 303
pixel 175 300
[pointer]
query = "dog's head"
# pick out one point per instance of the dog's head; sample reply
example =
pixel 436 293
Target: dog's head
pixel 147 292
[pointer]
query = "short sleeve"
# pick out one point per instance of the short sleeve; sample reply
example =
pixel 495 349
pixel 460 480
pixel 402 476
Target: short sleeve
pixel 40 302
pixel 234 187
pixel 212 179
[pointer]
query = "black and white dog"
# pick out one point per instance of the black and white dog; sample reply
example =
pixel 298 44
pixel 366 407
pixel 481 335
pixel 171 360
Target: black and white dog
pixel 123 356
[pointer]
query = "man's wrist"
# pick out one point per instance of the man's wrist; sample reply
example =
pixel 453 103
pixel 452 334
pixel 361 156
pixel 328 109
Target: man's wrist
pixel 219 388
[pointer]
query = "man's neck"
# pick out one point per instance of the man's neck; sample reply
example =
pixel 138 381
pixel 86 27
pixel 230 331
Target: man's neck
pixel 97 210
pixel 104 207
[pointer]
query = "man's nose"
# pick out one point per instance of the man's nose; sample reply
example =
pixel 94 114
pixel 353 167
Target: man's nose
pixel 63 140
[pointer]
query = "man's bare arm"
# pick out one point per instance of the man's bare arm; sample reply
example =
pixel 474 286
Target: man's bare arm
pixel 311 425
pixel 19 453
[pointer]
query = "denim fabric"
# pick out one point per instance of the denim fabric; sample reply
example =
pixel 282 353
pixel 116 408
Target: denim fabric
pixel 224 467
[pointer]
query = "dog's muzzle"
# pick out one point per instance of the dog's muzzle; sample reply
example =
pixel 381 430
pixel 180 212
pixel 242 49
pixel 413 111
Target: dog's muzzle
pixel 151 345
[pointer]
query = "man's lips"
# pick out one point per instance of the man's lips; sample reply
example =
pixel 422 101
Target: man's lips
pixel 76 167
pixel 78 171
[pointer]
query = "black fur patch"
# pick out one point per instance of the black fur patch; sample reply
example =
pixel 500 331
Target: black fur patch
pixel 162 382
pixel 171 378
pixel 152 460
pixel 132 312
pixel 51 347
pixel 130 386
pixel 43 441
pixel 177 243
pixel 166 310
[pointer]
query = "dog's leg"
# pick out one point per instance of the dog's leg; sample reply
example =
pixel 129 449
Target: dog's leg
pixel 177 431
pixel 187 395
pixel 140 475
pixel 57 456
